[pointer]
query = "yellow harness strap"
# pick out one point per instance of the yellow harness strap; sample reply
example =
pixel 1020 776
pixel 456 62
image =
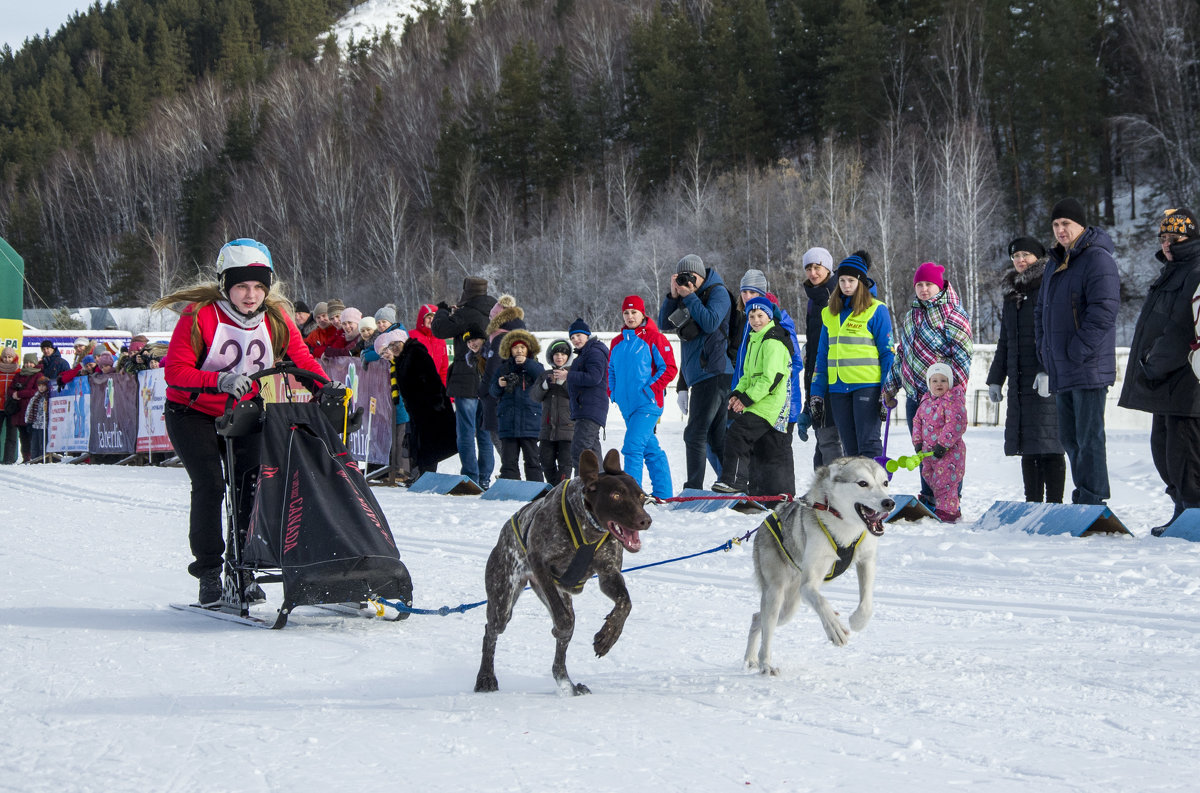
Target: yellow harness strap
pixel 845 555
pixel 576 574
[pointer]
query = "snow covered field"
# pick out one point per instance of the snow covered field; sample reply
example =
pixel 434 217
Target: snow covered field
pixel 996 660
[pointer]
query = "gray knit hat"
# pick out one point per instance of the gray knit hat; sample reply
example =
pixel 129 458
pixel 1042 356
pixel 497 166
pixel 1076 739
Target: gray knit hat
pixel 754 280
pixel 691 264
pixel 387 313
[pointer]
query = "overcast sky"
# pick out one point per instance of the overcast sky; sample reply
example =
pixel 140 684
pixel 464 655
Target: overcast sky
pixel 22 19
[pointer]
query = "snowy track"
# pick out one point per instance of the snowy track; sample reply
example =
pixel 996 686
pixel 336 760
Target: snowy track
pixel 995 659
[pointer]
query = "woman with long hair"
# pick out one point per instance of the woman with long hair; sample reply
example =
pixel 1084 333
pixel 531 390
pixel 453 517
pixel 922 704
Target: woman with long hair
pixel 853 358
pixel 229 329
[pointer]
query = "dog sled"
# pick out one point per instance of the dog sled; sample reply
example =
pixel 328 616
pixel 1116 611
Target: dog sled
pixel 314 526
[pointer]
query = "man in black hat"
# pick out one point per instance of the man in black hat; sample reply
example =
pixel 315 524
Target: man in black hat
pixel 1075 330
pixel 1160 378
pixel 475 451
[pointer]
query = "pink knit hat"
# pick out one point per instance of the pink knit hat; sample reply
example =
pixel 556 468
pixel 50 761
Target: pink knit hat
pixel 931 272
pixel 384 339
pixel 351 315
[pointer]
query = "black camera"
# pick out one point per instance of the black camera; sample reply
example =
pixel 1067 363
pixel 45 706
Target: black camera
pixel 686 278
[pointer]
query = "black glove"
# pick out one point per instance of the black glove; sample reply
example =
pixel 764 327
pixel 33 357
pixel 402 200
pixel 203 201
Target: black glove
pixel 917 448
pixel 939 451
pixel 335 389
pixel 816 410
pixel 234 384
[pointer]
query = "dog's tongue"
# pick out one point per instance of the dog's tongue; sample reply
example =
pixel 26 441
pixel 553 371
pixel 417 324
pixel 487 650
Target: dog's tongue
pixel 632 540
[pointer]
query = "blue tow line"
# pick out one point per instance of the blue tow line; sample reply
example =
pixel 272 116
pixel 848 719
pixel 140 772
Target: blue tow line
pixel 465 607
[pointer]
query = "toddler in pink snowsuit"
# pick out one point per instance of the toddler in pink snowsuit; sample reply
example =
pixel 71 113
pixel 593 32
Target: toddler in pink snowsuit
pixel 938 427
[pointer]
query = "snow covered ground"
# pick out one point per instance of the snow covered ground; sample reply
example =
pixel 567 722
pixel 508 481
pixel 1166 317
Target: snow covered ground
pixel 996 660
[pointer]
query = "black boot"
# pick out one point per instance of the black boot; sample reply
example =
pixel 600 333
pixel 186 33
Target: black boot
pixel 1157 531
pixel 1054 474
pixel 251 591
pixel 210 587
pixel 1031 472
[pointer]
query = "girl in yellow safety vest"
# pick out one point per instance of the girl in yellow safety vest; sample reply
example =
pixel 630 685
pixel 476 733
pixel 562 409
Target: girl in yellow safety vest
pixel 853 357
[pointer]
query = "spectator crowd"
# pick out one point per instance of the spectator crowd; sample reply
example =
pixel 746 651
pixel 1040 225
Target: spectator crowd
pixel 470 379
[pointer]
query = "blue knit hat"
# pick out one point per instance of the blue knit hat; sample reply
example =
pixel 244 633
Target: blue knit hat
pixel 855 264
pixel 760 302
pixel 579 326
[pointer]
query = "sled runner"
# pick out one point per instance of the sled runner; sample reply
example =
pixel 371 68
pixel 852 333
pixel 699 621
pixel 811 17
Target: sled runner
pixel 314 527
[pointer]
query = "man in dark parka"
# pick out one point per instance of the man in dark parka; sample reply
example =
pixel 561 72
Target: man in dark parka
pixel 1158 378
pixel 1075 327
pixel 462 385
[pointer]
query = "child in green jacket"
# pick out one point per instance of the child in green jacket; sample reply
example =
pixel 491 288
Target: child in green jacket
pixel 759 403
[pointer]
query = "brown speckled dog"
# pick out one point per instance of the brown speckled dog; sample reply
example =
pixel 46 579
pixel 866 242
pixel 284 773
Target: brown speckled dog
pixel 555 544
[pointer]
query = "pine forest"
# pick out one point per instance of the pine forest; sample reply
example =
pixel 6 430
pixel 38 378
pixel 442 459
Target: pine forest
pixel 572 151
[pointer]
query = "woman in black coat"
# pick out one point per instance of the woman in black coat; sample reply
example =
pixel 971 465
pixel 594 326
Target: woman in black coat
pixel 1031 421
pixel 431 428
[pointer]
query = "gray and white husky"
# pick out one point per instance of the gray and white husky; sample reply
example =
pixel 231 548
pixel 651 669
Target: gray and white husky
pixel 813 540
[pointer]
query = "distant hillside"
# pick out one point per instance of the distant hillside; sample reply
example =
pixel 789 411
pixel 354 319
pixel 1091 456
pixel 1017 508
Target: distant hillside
pixel 106 67
pixel 572 150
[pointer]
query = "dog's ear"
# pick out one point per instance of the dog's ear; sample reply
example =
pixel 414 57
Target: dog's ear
pixel 589 467
pixel 612 462
pixel 821 479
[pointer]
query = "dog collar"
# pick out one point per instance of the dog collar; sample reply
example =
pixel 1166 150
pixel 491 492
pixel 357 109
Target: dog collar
pixel 825 507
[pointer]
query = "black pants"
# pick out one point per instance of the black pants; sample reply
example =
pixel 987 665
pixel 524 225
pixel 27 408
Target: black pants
pixel 1045 477
pixel 773 466
pixel 556 460
pixel 511 450
pixel 202 452
pixel 1175 449
pixel 754 446
pixel 705 428
pixel 9 455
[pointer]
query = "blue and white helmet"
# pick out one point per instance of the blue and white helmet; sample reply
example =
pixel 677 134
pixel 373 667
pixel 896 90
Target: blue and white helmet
pixel 243 260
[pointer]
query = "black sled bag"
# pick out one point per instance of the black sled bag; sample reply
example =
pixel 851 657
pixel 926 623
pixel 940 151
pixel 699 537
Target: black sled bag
pixel 315 519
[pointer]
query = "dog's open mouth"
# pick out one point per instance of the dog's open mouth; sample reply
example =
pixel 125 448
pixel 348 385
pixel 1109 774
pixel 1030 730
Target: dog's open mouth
pixel 632 540
pixel 874 520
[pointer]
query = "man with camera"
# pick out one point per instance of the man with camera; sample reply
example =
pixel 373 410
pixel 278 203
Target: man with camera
pixel 697 309
pixel 462 385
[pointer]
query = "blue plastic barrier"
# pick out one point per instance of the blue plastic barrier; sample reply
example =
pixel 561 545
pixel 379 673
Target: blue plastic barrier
pixel 706 505
pixel 1186 526
pixel 908 508
pixel 445 484
pixel 514 490
pixel 1079 520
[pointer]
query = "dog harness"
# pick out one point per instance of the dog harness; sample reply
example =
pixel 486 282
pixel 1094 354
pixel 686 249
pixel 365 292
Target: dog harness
pixel 578 571
pixel 845 555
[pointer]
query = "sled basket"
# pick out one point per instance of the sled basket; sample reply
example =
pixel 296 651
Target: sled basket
pixel 314 520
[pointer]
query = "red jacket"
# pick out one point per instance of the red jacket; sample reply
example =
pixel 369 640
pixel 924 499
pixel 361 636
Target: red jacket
pixel 649 333
pixel 436 346
pixel 26 386
pixel 322 339
pixel 183 369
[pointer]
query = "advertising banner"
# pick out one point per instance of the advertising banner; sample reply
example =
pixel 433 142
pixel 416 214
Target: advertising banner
pixel 367 382
pixel 70 423
pixel 114 414
pixel 151 404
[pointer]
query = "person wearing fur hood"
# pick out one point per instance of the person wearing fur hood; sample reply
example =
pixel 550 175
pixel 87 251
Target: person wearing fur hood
pixel 519 415
pixel 504 316
pixel 1030 419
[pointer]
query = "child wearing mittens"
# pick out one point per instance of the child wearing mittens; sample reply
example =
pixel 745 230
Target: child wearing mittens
pixel 938 427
